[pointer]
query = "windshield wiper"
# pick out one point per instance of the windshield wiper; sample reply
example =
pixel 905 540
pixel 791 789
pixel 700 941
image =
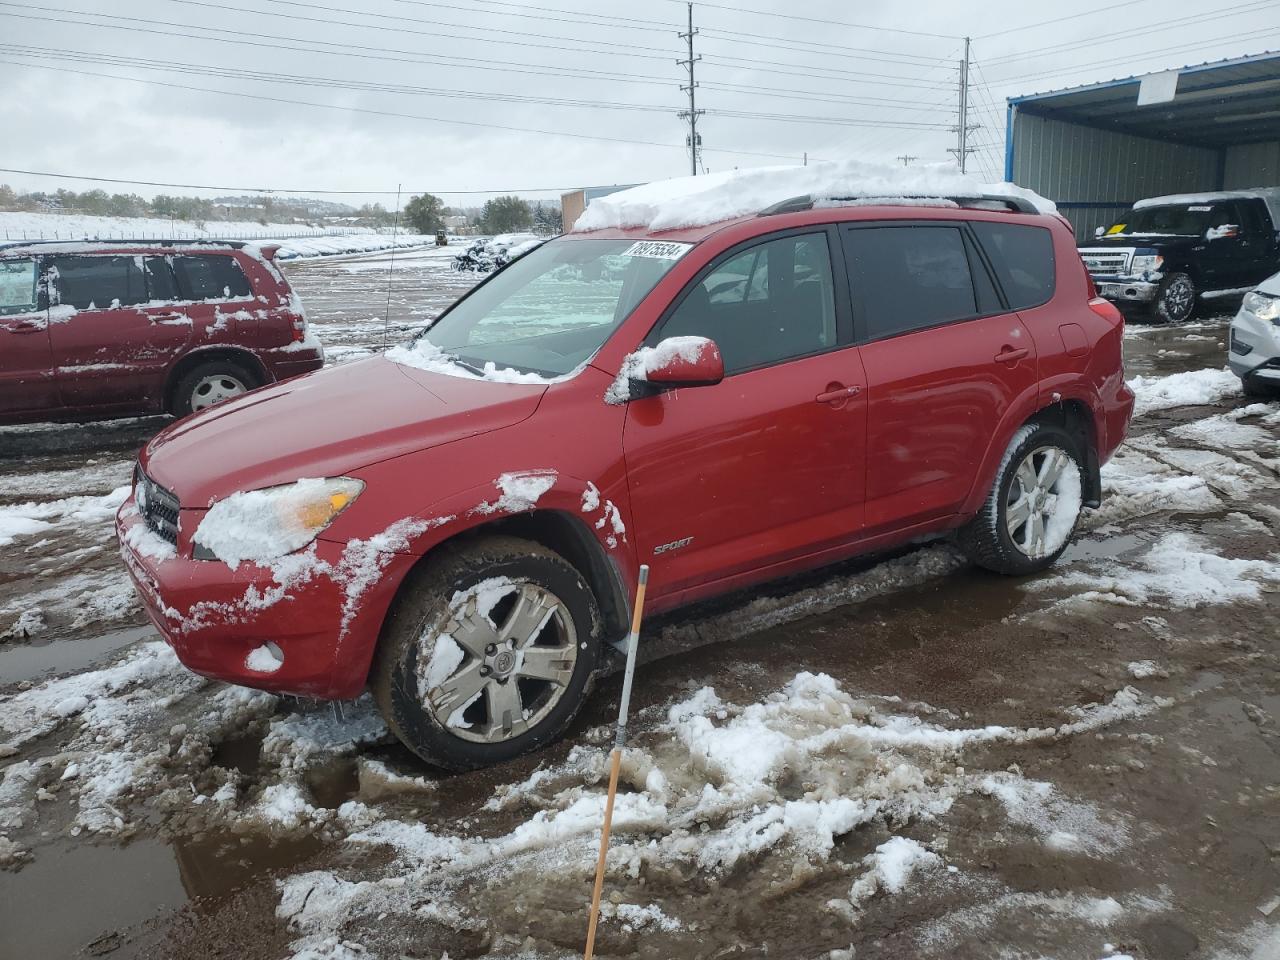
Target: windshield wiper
pixel 466 365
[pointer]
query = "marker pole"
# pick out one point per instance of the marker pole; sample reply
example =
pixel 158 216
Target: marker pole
pixel 615 759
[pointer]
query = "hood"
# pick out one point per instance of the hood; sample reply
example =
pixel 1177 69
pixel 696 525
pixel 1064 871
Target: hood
pixel 326 424
pixel 1270 285
pixel 1154 241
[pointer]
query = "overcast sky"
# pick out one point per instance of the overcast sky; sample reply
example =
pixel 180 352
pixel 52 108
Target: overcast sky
pixel 73 102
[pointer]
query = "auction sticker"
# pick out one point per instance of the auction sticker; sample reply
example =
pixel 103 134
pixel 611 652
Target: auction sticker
pixel 658 250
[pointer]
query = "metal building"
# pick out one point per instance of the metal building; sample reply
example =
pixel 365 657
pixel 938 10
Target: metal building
pixel 1096 149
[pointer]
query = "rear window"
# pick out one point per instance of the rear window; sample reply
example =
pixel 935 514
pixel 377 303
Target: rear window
pixel 211 278
pixel 99 282
pixel 1023 259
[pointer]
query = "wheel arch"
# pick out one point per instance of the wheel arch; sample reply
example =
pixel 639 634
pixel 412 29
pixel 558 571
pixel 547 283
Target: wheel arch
pixel 195 358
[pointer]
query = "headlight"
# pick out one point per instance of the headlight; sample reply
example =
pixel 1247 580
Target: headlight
pixel 1147 263
pixel 1263 306
pixel 261 525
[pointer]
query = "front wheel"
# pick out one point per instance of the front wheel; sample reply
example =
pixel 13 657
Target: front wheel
pixel 1175 300
pixel 1031 512
pixel 489 653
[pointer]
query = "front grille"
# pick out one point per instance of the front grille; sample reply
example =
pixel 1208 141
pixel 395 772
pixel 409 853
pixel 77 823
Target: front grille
pixel 1106 263
pixel 159 507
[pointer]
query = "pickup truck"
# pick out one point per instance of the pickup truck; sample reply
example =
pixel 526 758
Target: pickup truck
pixel 1168 253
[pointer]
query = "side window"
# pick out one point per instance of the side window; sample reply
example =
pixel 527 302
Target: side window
pixel 909 277
pixel 18 293
pixel 211 277
pixel 771 302
pixel 1252 223
pixel 99 282
pixel 160 282
pixel 1023 260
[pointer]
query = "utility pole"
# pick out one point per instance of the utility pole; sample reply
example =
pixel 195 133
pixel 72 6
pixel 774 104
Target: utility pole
pixel 906 160
pixel 694 139
pixel 963 128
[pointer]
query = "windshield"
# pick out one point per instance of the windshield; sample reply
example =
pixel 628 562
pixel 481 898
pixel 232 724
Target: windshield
pixel 550 310
pixel 1176 220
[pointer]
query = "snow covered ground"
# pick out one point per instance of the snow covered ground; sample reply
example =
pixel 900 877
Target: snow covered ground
pixel 898 758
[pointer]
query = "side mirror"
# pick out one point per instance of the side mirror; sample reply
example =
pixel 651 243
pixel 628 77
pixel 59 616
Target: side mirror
pixel 678 362
pixel 1099 231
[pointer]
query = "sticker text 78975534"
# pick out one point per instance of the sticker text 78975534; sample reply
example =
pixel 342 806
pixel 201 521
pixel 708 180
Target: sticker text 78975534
pixel 658 249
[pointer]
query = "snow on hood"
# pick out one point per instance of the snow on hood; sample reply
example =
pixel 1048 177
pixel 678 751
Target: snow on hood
pixel 695 201
pixel 1270 285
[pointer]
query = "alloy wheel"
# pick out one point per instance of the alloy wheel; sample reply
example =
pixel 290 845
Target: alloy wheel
pixel 1178 299
pixel 517 659
pixel 214 389
pixel 1035 502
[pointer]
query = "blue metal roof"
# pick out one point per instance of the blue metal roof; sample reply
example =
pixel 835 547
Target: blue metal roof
pixel 1216 104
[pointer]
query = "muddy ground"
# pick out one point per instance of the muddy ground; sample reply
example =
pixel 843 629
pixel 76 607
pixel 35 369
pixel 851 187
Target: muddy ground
pixel 902 757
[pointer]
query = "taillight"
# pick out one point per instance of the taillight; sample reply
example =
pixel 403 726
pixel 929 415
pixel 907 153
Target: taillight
pixel 299 328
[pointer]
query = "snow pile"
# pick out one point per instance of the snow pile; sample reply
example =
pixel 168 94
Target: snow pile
pixel 311 248
pixel 422 354
pixel 693 201
pixel 1190 388
pixel 710 787
pixel 16 226
pixel 25 519
pixel 493 253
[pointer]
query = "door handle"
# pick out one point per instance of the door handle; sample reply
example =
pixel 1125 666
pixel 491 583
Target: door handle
pixel 166 317
pixel 837 392
pixel 27 326
pixel 1012 354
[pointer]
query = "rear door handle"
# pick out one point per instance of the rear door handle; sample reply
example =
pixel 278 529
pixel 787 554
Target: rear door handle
pixel 834 394
pixel 167 317
pixel 1012 354
pixel 27 326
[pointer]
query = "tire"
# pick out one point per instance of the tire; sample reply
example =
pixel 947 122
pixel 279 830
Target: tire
pixel 430 683
pixel 988 539
pixel 210 383
pixel 1258 390
pixel 1175 300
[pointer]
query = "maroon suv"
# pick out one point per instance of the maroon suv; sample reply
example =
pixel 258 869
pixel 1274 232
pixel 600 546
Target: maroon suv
pixel 95 330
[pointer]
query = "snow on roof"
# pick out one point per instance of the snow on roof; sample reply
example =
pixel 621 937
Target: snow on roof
pixel 1271 195
pixel 696 201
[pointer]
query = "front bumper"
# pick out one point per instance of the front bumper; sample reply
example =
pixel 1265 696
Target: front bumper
pixel 325 624
pixel 1254 348
pixel 1125 289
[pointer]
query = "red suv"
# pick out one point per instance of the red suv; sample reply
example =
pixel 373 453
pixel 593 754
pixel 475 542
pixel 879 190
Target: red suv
pixel 458 524
pixel 97 330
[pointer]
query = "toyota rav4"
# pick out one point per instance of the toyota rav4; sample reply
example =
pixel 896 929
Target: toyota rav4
pixel 457 524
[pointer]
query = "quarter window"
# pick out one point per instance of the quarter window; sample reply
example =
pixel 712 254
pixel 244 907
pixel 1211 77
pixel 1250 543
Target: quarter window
pixel 211 278
pixel 99 282
pixel 771 302
pixel 909 277
pixel 18 292
pixel 1023 260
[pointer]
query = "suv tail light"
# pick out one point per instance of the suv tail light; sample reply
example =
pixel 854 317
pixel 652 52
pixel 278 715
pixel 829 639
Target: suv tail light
pixel 299 328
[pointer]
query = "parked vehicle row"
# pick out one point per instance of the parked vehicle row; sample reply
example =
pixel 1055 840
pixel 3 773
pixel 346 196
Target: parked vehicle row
pixel 92 330
pixel 457 524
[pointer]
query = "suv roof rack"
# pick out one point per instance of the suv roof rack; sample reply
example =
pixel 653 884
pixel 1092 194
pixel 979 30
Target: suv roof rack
pixel 980 201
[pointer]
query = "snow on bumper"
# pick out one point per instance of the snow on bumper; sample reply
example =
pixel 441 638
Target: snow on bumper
pixel 322 609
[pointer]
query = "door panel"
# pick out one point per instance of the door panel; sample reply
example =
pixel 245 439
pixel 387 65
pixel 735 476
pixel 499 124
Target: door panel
pixel 112 344
pixel 751 471
pixel 768 464
pixel 944 361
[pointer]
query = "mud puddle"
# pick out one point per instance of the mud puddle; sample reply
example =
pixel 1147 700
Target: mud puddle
pixel 34 660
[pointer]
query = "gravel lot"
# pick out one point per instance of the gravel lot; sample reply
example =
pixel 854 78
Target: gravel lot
pixel 902 757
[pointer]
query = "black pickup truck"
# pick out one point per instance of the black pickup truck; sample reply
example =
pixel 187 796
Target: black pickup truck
pixel 1168 253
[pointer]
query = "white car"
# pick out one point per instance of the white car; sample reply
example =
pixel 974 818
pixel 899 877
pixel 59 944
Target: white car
pixel 1255 340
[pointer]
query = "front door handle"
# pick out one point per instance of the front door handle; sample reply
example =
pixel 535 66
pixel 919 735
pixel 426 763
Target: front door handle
pixel 1012 354
pixel 837 392
pixel 167 317
pixel 27 326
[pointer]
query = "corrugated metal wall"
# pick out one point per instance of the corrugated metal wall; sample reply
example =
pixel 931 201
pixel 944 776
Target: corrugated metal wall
pixel 1072 164
pixel 1253 165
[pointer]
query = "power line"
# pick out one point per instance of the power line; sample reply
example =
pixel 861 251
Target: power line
pixel 292 190
pixel 819 20
pixel 398 115
pixel 659 26
pixel 1108 8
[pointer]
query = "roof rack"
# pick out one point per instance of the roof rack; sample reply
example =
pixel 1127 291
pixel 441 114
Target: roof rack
pixel 981 201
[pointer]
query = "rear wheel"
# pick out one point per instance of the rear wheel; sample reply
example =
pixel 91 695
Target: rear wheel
pixel 1175 300
pixel 1032 510
pixel 489 653
pixel 210 383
